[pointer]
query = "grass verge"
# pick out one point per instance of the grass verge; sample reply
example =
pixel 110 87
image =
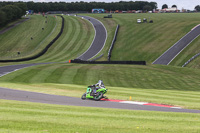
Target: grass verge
pixel 34 117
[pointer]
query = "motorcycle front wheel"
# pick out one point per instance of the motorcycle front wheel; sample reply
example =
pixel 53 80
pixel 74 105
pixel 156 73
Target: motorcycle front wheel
pixel 98 96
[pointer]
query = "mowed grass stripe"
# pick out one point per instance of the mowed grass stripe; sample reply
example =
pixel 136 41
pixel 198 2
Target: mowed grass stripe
pixel 148 77
pixel 70 72
pixel 159 95
pixel 61 46
pixel 76 38
pixel 70 37
pixel 42 74
pixel 74 42
pixel 18 116
pixel 158 92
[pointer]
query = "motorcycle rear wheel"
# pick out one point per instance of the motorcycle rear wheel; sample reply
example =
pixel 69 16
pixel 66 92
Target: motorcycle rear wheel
pixel 83 96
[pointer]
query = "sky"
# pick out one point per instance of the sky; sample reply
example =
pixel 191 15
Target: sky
pixel 186 4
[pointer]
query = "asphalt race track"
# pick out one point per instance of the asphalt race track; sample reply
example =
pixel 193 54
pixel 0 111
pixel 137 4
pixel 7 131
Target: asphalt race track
pixel 8 69
pixel 97 45
pixel 10 94
pixel 12 26
pixel 172 52
pixel 99 40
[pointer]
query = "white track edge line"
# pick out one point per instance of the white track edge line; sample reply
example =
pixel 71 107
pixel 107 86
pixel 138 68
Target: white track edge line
pixel 105 39
pixel 183 49
pixel 93 38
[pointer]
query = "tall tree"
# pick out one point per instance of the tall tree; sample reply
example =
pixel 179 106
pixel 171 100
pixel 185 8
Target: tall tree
pixel 2 18
pixel 164 6
pixel 9 12
pixel 147 8
pixel 23 7
pixel 197 8
pixel 174 6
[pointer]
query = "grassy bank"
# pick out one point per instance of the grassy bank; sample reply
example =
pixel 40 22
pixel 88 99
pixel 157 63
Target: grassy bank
pixel 76 38
pixel 147 77
pixel 19 39
pixel 33 117
pixel 148 41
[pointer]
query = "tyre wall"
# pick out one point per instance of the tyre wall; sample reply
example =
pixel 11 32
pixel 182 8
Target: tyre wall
pixel 108 62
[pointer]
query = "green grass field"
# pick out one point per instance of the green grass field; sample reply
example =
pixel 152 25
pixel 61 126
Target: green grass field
pixel 170 85
pixel 26 117
pixel 148 41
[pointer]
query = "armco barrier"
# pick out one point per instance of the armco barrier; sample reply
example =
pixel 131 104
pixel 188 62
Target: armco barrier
pixel 113 42
pixel 108 62
pixel 43 51
pixel 191 59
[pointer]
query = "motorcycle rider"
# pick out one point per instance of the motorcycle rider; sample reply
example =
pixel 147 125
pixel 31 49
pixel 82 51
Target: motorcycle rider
pixel 99 85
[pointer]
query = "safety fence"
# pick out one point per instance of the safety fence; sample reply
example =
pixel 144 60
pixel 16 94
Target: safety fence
pixel 112 44
pixel 43 51
pixel 108 62
pixel 191 59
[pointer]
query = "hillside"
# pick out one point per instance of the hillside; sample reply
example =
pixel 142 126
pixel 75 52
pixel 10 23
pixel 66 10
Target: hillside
pixel 27 37
pixel 148 41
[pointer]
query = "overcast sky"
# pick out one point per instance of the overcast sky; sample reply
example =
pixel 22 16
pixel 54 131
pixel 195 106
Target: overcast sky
pixel 186 4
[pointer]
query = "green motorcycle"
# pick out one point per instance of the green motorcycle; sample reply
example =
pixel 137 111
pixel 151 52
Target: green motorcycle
pixel 95 92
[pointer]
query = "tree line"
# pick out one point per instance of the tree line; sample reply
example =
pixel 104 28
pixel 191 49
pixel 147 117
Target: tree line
pixel 10 11
pixel 88 6
pixel 85 6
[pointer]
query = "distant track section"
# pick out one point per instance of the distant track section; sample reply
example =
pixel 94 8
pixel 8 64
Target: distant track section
pixel 4 70
pixel 172 52
pixel 13 25
pixel 99 39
